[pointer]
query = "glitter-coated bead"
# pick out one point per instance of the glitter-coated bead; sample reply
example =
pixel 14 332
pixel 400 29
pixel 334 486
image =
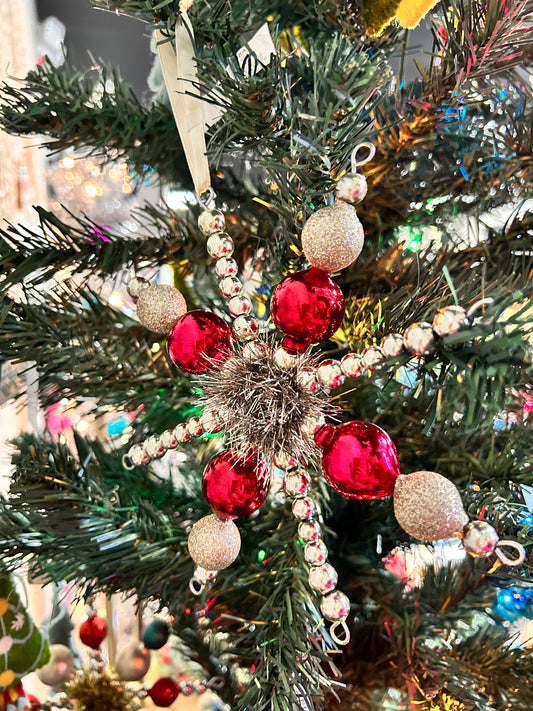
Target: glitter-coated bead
pixel 214 544
pixel 323 578
pixel 284 359
pixel 159 307
pixel 137 455
pixel 168 439
pixel 392 345
pixel 371 357
pixel 153 447
pixel 480 538
pixel 246 328
pixel 351 188
pixel 211 221
pixel 230 286
pixel 333 237
pixel 239 305
pixel 351 365
pixel 297 484
pixel 194 427
pixel 303 508
pixel 316 553
pixel 335 606
pixel 219 245
pixel 329 374
pixel 210 421
pixel 309 531
pixel 419 338
pixel 181 433
pixel 136 285
pixel 226 267
pixel 449 320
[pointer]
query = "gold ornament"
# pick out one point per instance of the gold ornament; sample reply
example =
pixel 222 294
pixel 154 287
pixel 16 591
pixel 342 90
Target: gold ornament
pixel 333 237
pixel 428 506
pixel 95 692
pixel 214 544
pixel 159 307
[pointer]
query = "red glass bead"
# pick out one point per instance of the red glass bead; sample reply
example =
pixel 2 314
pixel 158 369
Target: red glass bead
pixel 308 307
pixel 93 631
pixel 197 339
pixel 235 485
pixel 164 692
pixel 359 459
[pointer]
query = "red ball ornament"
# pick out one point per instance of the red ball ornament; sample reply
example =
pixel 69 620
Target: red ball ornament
pixel 308 307
pixel 93 631
pixel 234 484
pixel 359 459
pixel 164 692
pixel 197 339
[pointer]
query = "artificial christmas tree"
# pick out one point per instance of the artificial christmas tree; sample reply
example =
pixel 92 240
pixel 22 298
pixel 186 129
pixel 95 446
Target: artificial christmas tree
pixel 393 367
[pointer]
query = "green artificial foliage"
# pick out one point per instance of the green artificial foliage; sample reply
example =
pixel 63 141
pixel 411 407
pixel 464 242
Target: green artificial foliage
pixel 24 648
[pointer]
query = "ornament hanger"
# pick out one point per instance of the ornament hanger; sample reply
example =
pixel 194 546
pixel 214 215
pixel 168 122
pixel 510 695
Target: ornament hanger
pixel 370 147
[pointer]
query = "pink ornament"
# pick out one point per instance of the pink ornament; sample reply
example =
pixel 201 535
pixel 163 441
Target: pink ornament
pixel 308 307
pixel 197 339
pixel 359 459
pixel 234 484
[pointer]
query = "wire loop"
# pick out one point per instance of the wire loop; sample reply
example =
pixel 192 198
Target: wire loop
pixel 127 463
pixel 345 639
pixel 370 147
pixel 195 586
pixel 207 199
pixel 505 559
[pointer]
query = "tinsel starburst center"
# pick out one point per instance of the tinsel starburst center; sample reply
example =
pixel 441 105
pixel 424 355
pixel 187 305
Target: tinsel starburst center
pixel 265 405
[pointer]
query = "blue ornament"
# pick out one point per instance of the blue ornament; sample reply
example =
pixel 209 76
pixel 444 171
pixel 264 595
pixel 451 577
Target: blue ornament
pixel 156 634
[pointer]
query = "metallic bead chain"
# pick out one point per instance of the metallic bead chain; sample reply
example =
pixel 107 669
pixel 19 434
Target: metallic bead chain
pixel 334 605
pixel 220 247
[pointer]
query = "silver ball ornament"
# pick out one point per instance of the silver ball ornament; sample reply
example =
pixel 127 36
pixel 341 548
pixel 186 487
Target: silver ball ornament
pixel 246 328
pixel 323 578
pixel 181 433
pixel 168 439
pixel 480 539
pixel 60 668
pixel 351 365
pixel 138 456
pixel 303 508
pixel 335 606
pixel 211 221
pixel 419 338
pixel 239 305
pixel 159 307
pixel 316 553
pixel 226 266
pixel 219 245
pixel 296 484
pixel 194 427
pixel 133 661
pixel 309 531
pixel 214 544
pixel 153 447
pixel 329 374
pixel 371 357
pixel 449 320
pixel 392 345
pixel 230 286
pixel 351 188
pixel 333 237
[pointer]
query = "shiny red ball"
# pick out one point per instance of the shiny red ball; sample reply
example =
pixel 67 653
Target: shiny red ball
pixel 308 307
pixel 93 631
pixel 235 485
pixel 359 459
pixel 197 339
pixel 164 692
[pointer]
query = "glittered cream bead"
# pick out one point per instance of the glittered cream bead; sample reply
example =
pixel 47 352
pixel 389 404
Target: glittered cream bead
pixel 351 365
pixel 211 221
pixel 210 421
pixel 296 484
pixel 194 427
pixel 351 188
pixel 138 456
pixel 220 245
pixel 419 338
pixel 449 320
pixel 226 267
pixel 371 357
pixel 239 305
pixel 316 553
pixel 284 359
pixel 214 544
pixel 181 433
pixel 323 578
pixel 168 439
pixel 309 531
pixel 392 345
pixel 246 328
pixel 329 374
pixel 230 286
pixel 333 237
pixel 335 606
pixel 303 508
pixel 136 285
pixel 159 307
pixel 480 539
pixel 153 447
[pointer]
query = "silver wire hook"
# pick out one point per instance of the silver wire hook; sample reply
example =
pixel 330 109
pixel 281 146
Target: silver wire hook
pixel 195 586
pixel 370 147
pixel 127 463
pixel 342 641
pixel 505 559
pixel 207 199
